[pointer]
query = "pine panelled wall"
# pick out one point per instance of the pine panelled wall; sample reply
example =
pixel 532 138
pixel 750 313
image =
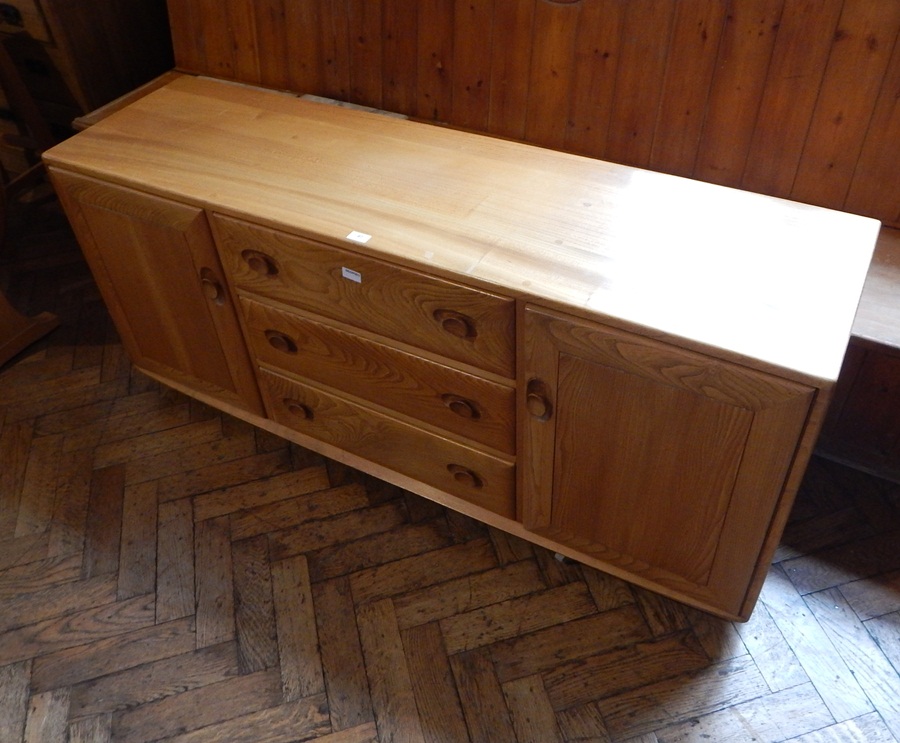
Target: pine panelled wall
pixel 793 98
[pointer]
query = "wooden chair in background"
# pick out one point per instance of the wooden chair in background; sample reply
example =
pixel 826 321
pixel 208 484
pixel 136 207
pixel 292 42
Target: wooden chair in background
pixel 18 331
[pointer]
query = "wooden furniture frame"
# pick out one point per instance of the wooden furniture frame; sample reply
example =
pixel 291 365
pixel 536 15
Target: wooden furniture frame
pixel 378 290
pixel 863 425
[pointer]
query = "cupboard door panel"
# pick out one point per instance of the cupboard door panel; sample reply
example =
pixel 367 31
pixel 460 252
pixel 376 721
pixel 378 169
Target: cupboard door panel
pixel 665 466
pixel 157 268
pixel 653 450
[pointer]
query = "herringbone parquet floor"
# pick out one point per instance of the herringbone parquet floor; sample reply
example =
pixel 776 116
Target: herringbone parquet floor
pixel 169 573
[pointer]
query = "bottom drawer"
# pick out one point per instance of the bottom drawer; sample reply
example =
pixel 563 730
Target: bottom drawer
pixel 481 479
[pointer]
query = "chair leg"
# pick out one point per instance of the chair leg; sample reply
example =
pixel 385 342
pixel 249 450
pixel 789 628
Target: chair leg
pixel 17 332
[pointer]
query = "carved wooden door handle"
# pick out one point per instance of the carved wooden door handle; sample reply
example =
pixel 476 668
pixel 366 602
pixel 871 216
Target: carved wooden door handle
pixel 212 287
pixel 537 400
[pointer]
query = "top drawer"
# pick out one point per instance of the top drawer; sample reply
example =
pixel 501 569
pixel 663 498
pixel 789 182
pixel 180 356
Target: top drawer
pixel 455 321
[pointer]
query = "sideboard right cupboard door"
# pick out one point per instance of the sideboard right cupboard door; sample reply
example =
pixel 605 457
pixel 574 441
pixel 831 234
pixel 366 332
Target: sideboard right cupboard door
pixel 157 268
pixel 663 465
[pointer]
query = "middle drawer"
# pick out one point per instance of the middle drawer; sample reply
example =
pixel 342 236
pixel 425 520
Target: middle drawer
pixel 456 401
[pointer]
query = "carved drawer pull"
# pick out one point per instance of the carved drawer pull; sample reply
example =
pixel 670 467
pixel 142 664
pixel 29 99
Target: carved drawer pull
pixel 537 400
pixel 465 476
pixel 461 406
pixel 212 287
pixel 456 323
pixel 281 342
pixel 298 409
pixel 261 263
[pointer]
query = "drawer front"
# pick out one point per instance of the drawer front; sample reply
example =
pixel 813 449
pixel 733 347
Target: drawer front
pixel 465 404
pixel 483 480
pixel 449 319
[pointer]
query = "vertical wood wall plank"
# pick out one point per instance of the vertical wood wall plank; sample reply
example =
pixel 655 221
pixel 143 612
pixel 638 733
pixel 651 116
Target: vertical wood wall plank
pixel 552 68
pixel 510 67
pixel 435 55
pixel 792 87
pixel 875 189
pixel 400 46
pixel 244 37
pixel 597 51
pixel 744 54
pixel 639 79
pixel 302 70
pixel 859 58
pixel 272 43
pixel 691 64
pixel 335 49
pixel 473 21
pixel 213 36
pixel 187 29
pixel 364 45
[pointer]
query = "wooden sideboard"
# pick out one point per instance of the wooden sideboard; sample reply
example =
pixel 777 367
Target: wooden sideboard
pixel 628 367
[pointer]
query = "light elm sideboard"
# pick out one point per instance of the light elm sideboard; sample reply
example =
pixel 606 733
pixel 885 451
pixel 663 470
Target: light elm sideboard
pixel 627 367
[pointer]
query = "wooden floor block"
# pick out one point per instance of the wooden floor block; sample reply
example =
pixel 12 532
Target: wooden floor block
pixel 437 700
pixel 822 661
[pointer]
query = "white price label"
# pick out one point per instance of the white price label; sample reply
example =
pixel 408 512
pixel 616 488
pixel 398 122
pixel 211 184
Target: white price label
pixel 349 273
pixel 359 237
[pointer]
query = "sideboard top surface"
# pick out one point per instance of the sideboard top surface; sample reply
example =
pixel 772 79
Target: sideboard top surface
pixel 760 278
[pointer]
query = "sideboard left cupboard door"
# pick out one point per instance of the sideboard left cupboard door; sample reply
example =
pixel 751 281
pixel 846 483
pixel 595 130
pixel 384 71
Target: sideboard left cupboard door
pixel 157 268
pixel 666 466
